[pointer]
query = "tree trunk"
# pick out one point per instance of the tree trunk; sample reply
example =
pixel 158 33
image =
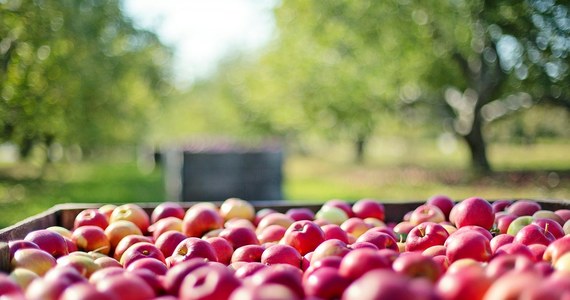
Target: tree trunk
pixel 478 147
pixel 360 145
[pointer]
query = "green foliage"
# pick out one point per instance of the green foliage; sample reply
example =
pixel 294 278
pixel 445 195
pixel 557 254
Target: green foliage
pixel 76 72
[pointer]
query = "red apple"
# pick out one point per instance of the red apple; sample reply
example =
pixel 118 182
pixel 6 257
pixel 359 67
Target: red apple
pixel 209 282
pixel 262 292
pixel 333 231
pixel 325 283
pixel 425 235
pixel 283 274
pixel 36 260
pixel 107 210
pixel 369 208
pixel 91 238
pixel 271 233
pixel 551 226
pixel 427 213
pixel 304 236
pixel 414 264
pixel 548 214
pixel 176 274
pixel 379 239
pixel 357 262
pixel 300 213
pixel 380 285
pixel 262 213
pixel 473 211
pixel 200 219
pixel 355 226
pixel 500 205
pixel 15 245
pixel 223 249
pixel 329 261
pixel 117 230
pixel 471 283
pixel 537 251
pixel 338 203
pixel 443 202
pixel 556 249
pixel 500 240
pixel 329 248
pixel 239 236
pixel 514 249
pixel 82 291
pixel 469 244
pixel 163 225
pixel 248 253
pixel 402 230
pixel 248 269
pixel 281 254
pixel 91 216
pixel 476 228
pixel 49 241
pixel 435 250
pixel 131 212
pixel 512 285
pixel 237 208
pixel 154 265
pixel 126 242
pixel 141 250
pixel 101 274
pixel 564 214
pixel 126 287
pixel 168 241
pixel 504 221
pixel 165 210
pixel 107 262
pixel 523 208
pixel 80 261
pixel 193 247
pixel 534 234
pixel 274 218
pixel 10 289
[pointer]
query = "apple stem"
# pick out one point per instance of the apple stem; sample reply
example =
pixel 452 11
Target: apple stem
pixel 421 229
pixel 546 227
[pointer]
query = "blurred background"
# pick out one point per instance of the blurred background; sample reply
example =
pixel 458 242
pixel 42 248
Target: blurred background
pixel 398 100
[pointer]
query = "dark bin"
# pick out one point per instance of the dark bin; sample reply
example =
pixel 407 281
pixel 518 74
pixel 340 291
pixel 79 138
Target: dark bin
pixel 218 175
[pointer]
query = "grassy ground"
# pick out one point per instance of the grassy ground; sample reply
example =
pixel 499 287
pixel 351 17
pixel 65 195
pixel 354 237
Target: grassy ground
pixel 401 172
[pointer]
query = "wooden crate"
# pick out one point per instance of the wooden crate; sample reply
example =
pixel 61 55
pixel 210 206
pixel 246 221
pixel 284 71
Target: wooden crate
pixel 64 215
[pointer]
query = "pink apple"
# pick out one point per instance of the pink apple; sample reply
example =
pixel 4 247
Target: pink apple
pixel 330 248
pixel 534 234
pixel 176 274
pixel 469 244
pixel 107 262
pixel 556 249
pixel 168 241
pixel 523 208
pixel 471 283
pixel 261 292
pixel 248 253
pixel 476 228
pixel 537 251
pixel 435 250
pixel 91 238
pixel 551 226
pixel 91 216
pixel 141 250
pixel 239 223
pixel 199 220
pixel 271 233
pixel 512 285
pixel 325 283
pixel 338 203
pixel 333 231
pixel 117 230
pixel 165 210
pixel 260 214
pixel 300 213
pixel 500 205
pixel 81 261
pixel 82 291
pixel 107 210
pixel 152 264
pixel 126 287
pixel 209 282
pixel 443 202
pixel 402 230
pixel 514 248
pixel 36 260
pixel 504 221
pixel 237 208
pixel 500 240
pixel 474 211
pixel 329 261
pixel 49 241
pixel 9 288
pixel 223 249
pixel 564 214
pixel 239 236
pixel 127 242
pixel 283 274
pixel 379 239
pixel 304 236
pixel 427 213
pixel 163 225
pixel 248 269
pixel 131 212
pixel 425 235
pixel 548 214
pixel 281 254
pixel 357 262
pixel 15 245
pixel 380 284
pixel 193 247
pixel 274 218
pixel 369 208
pixel 414 264
pixel 355 226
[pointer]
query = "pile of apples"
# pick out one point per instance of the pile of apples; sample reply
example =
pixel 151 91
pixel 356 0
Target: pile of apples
pixel 472 249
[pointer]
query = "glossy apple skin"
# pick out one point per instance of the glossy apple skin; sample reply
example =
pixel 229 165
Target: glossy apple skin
pixel 500 240
pixel 471 283
pixel 333 231
pixel 426 235
pixel 131 212
pixel 381 285
pixel 36 260
pixel 193 247
pixel 329 248
pixel 426 213
pixel 260 292
pixel 304 236
pixel 301 213
pixel 117 230
pixel 274 218
pixel 248 269
pixel 469 244
pixel 91 216
pixel 281 254
pixel 168 241
pixel 556 249
pixel 141 250
pixel 283 274
pixel 551 226
pixel 127 242
pixel 199 220
pixel 338 203
pixel 154 265
pixel 504 221
pixel 473 211
pixel 165 210
pixel 379 239
pixel 443 202
pixel 163 225
pixel 176 274
pixel 534 234
pixel 500 205
pixel 49 241
pixel 223 249
pixel 91 238
pixel 512 285
pixel 523 208
pixel 357 262
pixel 15 245
pixel 416 265
pixel 239 236
pixel 325 283
pixel 271 233
pixel 248 253
pixel 126 287
pixel 355 226
pixel 220 283
pixel 369 208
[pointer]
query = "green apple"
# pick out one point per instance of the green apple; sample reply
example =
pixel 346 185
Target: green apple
pixel 518 223
pixel 331 214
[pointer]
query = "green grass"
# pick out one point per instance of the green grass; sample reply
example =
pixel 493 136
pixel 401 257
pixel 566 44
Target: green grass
pixel 394 171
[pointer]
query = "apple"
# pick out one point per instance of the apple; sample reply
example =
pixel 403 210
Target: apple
pixel 329 248
pixel 566 227
pixel 275 218
pixel 80 261
pixel 500 205
pixel 329 261
pixel 176 274
pixel 556 249
pixel 325 283
pixel 66 233
pixel 131 212
pixel 359 245
pixel 380 285
pixel 239 236
pixel 443 202
pixel 551 288
pixel 359 261
pixel 524 208
pixel 425 235
pixel 23 277
pixel 45 289
pixel 473 211
pixel 426 213
pixel 564 214
pixel 91 238
pixel 537 251
pixel 534 234
pixel 512 285
pixel 260 214
pixel 193 247
pixel 271 291
pixel 548 214
pixel 117 230
pixel 154 265
pixel 107 262
pixel 35 260
pixel 338 203
pixel 165 210
pixel 514 248
pixel 304 236
pixel 476 228
pixel 239 223
pixel 107 210
pixel 468 244
pixel 504 221
pixel 414 264
pixel 209 282
pixel 271 233
pixel 248 269
pixel 15 245
pixel 168 241
pixel 237 208
pixel 355 226
pixel 563 263
pixel 333 231
pixel 10 289
pixel 331 214
pixel 402 230
pixel 199 220
pixel 283 274
pixel 101 274
pixel 248 253
pixel 518 223
pixel 381 240
pixel 369 208
pixel 281 254
pixel 82 291
pixel 164 225
pixel 435 250
pixel 125 287
pixel 91 216
pixel 471 283
pixel 223 249
pixel 500 240
pixel 126 242
pixel 300 213
pixel 141 250
pixel 49 241
pixel 551 226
